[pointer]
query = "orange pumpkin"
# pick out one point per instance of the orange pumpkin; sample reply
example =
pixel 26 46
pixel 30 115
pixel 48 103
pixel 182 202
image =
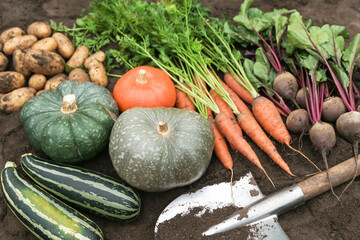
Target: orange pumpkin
pixel 144 87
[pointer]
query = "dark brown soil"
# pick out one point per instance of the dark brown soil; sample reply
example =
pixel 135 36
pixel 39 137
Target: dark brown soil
pixel 320 218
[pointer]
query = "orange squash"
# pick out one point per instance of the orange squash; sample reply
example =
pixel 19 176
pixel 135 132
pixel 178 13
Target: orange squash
pixel 146 87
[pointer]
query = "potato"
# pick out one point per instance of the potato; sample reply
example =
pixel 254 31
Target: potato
pixel 97 73
pixel 44 62
pixel 20 42
pixel 3 62
pixel 40 92
pixel 78 58
pixel 53 82
pixel 11 80
pixel 11 33
pixel 78 75
pixel 19 62
pixel 65 47
pixel 48 44
pixel 39 29
pixel 16 99
pixel 37 81
pixel 1 46
pixel 99 56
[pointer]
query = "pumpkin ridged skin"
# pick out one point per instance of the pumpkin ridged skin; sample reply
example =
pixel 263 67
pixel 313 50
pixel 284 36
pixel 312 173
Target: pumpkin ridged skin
pixel 41 213
pixel 71 137
pixel 84 189
pixel 152 162
pixel 158 91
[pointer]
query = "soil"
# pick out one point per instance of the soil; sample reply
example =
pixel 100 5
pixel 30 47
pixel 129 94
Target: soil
pixel 320 218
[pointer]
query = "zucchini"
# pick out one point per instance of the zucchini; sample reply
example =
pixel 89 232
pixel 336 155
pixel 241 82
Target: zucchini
pixel 43 214
pixel 84 189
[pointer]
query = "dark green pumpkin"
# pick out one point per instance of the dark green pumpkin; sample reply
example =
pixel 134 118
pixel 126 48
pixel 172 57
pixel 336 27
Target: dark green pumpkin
pixel 157 149
pixel 70 132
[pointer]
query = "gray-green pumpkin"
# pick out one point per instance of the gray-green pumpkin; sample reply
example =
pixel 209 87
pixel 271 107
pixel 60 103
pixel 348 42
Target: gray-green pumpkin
pixel 157 149
pixel 70 124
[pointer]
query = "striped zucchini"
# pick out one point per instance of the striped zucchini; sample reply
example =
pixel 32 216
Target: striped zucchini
pixel 44 215
pixel 84 189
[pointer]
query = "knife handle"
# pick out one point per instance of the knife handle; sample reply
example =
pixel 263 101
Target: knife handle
pixel 339 174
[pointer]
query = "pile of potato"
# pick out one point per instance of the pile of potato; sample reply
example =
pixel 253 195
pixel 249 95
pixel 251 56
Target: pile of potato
pixel 41 60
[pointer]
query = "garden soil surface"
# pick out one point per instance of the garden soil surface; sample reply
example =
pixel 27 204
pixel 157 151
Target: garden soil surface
pixel 320 218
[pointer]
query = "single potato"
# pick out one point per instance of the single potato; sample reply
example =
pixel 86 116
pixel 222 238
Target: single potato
pixel 11 80
pixel 1 47
pixel 78 58
pixel 3 62
pixel 39 29
pixel 20 42
pixel 48 44
pixel 19 62
pixel 40 92
pixel 97 73
pixel 44 62
pixel 99 56
pixel 65 46
pixel 11 33
pixel 78 75
pixel 16 99
pixel 37 81
pixel 53 82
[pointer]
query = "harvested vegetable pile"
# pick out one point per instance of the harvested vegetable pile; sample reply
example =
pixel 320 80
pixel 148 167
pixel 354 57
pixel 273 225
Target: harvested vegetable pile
pixel 321 218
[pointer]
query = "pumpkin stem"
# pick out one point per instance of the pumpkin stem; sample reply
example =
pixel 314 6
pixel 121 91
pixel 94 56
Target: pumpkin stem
pixel 69 104
pixel 163 128
pixel 141 77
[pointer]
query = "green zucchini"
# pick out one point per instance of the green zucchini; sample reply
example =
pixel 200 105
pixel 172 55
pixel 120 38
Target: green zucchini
pixel 84 189
pixel 43 214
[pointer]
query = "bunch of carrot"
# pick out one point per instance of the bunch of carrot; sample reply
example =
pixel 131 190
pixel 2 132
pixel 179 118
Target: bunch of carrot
pixel 234 116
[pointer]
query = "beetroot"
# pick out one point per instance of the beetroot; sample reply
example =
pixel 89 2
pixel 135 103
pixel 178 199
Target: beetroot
pixel 348 127
pixel 298 121
pixel 333 107
pixel 300 98
pixel 286 85
pixel 322 135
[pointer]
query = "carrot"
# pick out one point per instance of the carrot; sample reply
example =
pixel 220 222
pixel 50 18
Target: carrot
pixel 225 108
pixel 240 105
pixel 268 116
pixel 222 152
pixel 228 130
pixel 210 114
pixel 220 148
pixel 254 131
pixel 237 88
pixel 183 101
pixel 231 132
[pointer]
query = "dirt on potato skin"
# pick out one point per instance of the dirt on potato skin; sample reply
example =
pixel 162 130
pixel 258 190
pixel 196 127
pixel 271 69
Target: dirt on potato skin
pixel 320 218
